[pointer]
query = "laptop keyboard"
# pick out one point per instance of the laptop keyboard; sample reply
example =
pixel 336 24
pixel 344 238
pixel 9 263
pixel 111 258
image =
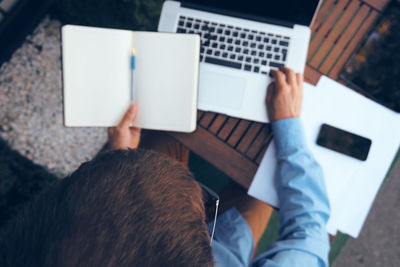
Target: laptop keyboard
pixel 237 47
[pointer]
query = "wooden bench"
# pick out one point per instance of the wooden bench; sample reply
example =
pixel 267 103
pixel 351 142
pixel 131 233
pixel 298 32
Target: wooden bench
pixel 236 146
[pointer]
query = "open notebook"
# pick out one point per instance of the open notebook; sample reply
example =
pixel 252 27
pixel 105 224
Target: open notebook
pixel 97 78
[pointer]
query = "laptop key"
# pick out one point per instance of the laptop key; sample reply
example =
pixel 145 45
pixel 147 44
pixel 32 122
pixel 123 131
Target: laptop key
pixel 181 30
pixel 284 43
pixel 247 67
pixel 284 53
pixel 240 58
pixel 248 59
pixel 181 23
pixel 225 54
pixel 223 62
pixel 256 69
pixel 276 64
pixel 209 51
pixel 246 51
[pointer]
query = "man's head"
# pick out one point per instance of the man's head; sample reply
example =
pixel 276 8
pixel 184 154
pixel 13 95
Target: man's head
pixel 124 208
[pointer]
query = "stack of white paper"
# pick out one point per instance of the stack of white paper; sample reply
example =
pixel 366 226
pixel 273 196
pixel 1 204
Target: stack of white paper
pixel 351 184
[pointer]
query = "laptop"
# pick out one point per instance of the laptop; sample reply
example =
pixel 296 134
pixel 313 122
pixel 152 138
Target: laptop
pixel 241 42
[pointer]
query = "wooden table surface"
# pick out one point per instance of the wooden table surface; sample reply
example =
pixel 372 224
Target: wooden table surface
pixel 236 146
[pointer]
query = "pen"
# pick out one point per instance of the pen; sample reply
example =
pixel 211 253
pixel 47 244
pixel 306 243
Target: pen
pixel 133 76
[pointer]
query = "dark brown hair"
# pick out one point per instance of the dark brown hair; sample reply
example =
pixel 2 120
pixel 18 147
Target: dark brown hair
pixel 123 208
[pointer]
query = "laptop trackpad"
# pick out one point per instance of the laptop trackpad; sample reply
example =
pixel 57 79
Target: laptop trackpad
pixel 221 90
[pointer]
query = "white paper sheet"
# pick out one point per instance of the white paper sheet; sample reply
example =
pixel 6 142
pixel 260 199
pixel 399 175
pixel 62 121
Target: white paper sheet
pixel 351 184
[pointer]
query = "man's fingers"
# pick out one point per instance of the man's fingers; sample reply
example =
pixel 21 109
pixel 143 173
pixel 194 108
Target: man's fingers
pixel 299 79
pixel 290 76
pixel 279 78
pixel 129 116
pixel 110 130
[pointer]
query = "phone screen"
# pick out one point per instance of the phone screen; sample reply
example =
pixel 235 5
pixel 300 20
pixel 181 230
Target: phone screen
pixel 344 142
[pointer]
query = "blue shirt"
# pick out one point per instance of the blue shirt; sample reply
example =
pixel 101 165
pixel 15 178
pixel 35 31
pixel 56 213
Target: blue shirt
pixel 304 211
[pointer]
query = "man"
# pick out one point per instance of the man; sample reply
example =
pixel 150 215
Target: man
pixel 139 208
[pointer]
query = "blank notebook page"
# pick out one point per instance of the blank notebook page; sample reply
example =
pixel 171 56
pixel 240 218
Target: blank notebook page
pixel 97 78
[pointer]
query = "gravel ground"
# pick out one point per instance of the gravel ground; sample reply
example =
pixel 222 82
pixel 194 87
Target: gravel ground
pixel 31 110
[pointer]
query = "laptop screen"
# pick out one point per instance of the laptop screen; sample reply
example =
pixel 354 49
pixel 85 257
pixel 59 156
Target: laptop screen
pixel 290 11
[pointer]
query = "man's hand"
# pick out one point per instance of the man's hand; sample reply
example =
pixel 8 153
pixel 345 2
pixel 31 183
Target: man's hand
pixel 123 136
pixel 285 95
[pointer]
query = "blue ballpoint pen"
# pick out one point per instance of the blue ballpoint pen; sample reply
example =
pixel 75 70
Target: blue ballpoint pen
pixel 133 76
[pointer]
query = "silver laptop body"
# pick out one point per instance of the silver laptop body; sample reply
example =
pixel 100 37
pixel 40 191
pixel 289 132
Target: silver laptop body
pixel 239 50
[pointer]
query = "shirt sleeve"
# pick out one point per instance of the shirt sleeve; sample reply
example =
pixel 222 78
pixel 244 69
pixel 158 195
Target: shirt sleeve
pixel 304 206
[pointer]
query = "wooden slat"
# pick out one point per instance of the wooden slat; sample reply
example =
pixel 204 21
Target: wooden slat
pixel 326 6
pixel 349 49
pixel 322 31
pixel 378 4
pixel 199 114
pixel 334 34
pixel 207 119
pixel 311 75
pixel 217 153
pixel 249 137
pixel 344 39
pixel 227 128
pixel 259 142
pixel 238 132
pixel 217 123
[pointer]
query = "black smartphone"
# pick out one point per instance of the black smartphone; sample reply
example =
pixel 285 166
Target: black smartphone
pixel 344 142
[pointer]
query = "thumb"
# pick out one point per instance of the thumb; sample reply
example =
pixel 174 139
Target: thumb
pixel 129 117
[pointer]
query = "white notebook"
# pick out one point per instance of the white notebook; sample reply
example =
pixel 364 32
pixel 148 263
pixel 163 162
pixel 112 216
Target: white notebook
pixel 97 78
